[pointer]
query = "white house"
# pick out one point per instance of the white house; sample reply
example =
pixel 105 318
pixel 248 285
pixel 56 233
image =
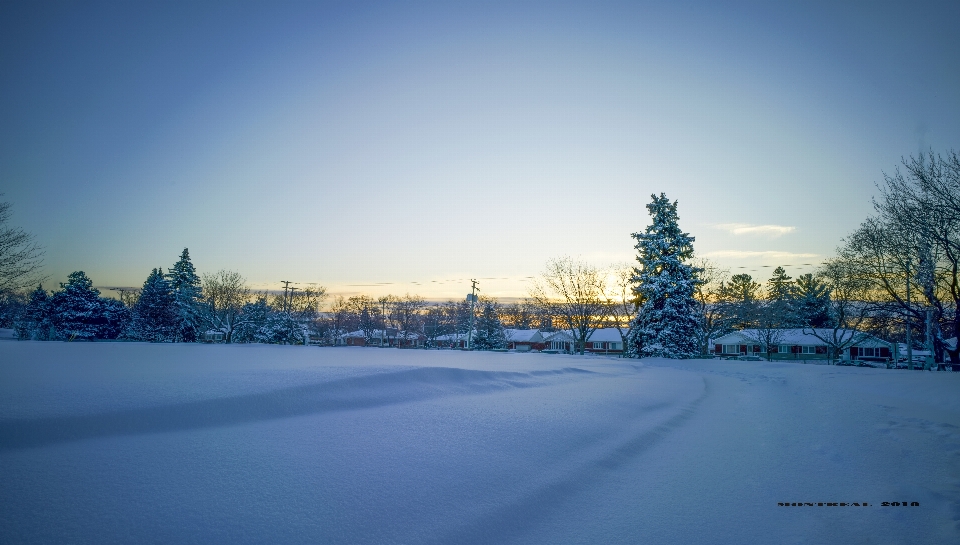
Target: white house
pixel 803 344
pixel 605 340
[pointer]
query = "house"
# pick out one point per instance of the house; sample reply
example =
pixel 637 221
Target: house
pixel 380 337
pixel 605 340
pixel 803 344
pixel 524 340
pixel 451 340
pixel 352 338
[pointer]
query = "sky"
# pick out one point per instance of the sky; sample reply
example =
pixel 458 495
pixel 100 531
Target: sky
pixel 393 147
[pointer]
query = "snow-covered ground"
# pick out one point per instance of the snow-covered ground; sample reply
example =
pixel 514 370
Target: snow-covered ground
pixel 141 443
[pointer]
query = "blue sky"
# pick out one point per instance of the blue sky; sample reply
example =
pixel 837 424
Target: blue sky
pixel 415 145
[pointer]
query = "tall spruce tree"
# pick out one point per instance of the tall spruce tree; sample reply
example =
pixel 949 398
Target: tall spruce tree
pixel 666 322
pixel 490 334
pixel 187 294
pixel 155 316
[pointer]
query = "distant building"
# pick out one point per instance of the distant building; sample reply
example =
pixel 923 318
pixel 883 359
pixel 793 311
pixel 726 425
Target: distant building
pixel 802 344
pixel 382 337
pixel 451 340
pixel 603 341
pixel 524 340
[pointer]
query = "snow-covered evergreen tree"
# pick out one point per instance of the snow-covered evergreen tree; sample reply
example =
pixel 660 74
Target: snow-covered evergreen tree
pixel 261 322
pixel 490 334
pixel 116 318
pixel 280 328
pixel 187 293
pixel 35 322
pixel 156 317
pixel 252 318
pixel 667 321
pixel 78 312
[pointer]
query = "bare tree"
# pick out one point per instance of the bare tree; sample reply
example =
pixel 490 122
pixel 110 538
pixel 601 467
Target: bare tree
pixel 714 320
pixel 574 290
pixel 20 257
pixel 224 295
pixel 340 319
pixel 364 313
pixel 405 312
pixel 519 315
pixel 127 296
pixel 767 331
pixel 921 207
pixel 435 324
pixel 620 304
pixel 849 310
pixel 304 304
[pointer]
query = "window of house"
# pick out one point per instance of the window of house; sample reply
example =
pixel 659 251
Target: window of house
pixel 784 349
pixel 868 352
pixel 809 350
pixel 731 349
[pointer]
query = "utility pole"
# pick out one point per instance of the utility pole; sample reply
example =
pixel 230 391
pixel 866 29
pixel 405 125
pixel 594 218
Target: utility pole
pixel 909 320
pixel 290 298
pixel 286 286
pixel 473 299
pixel 928 364
pixel 383 320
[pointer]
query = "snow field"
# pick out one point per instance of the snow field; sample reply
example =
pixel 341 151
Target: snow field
pixel 124 442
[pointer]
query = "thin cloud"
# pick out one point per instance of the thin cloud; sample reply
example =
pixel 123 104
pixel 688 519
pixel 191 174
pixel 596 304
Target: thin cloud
pixel 746 254
pixel 750 229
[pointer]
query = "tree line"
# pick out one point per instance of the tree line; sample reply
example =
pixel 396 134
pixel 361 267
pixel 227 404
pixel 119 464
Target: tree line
pixel 897 276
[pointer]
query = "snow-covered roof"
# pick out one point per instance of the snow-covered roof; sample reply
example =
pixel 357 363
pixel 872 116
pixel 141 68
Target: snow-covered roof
pixel 802 337
pixel 523 335
pixel 376 334
pixel 606 334
pixel 561 336
pixel 452 337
